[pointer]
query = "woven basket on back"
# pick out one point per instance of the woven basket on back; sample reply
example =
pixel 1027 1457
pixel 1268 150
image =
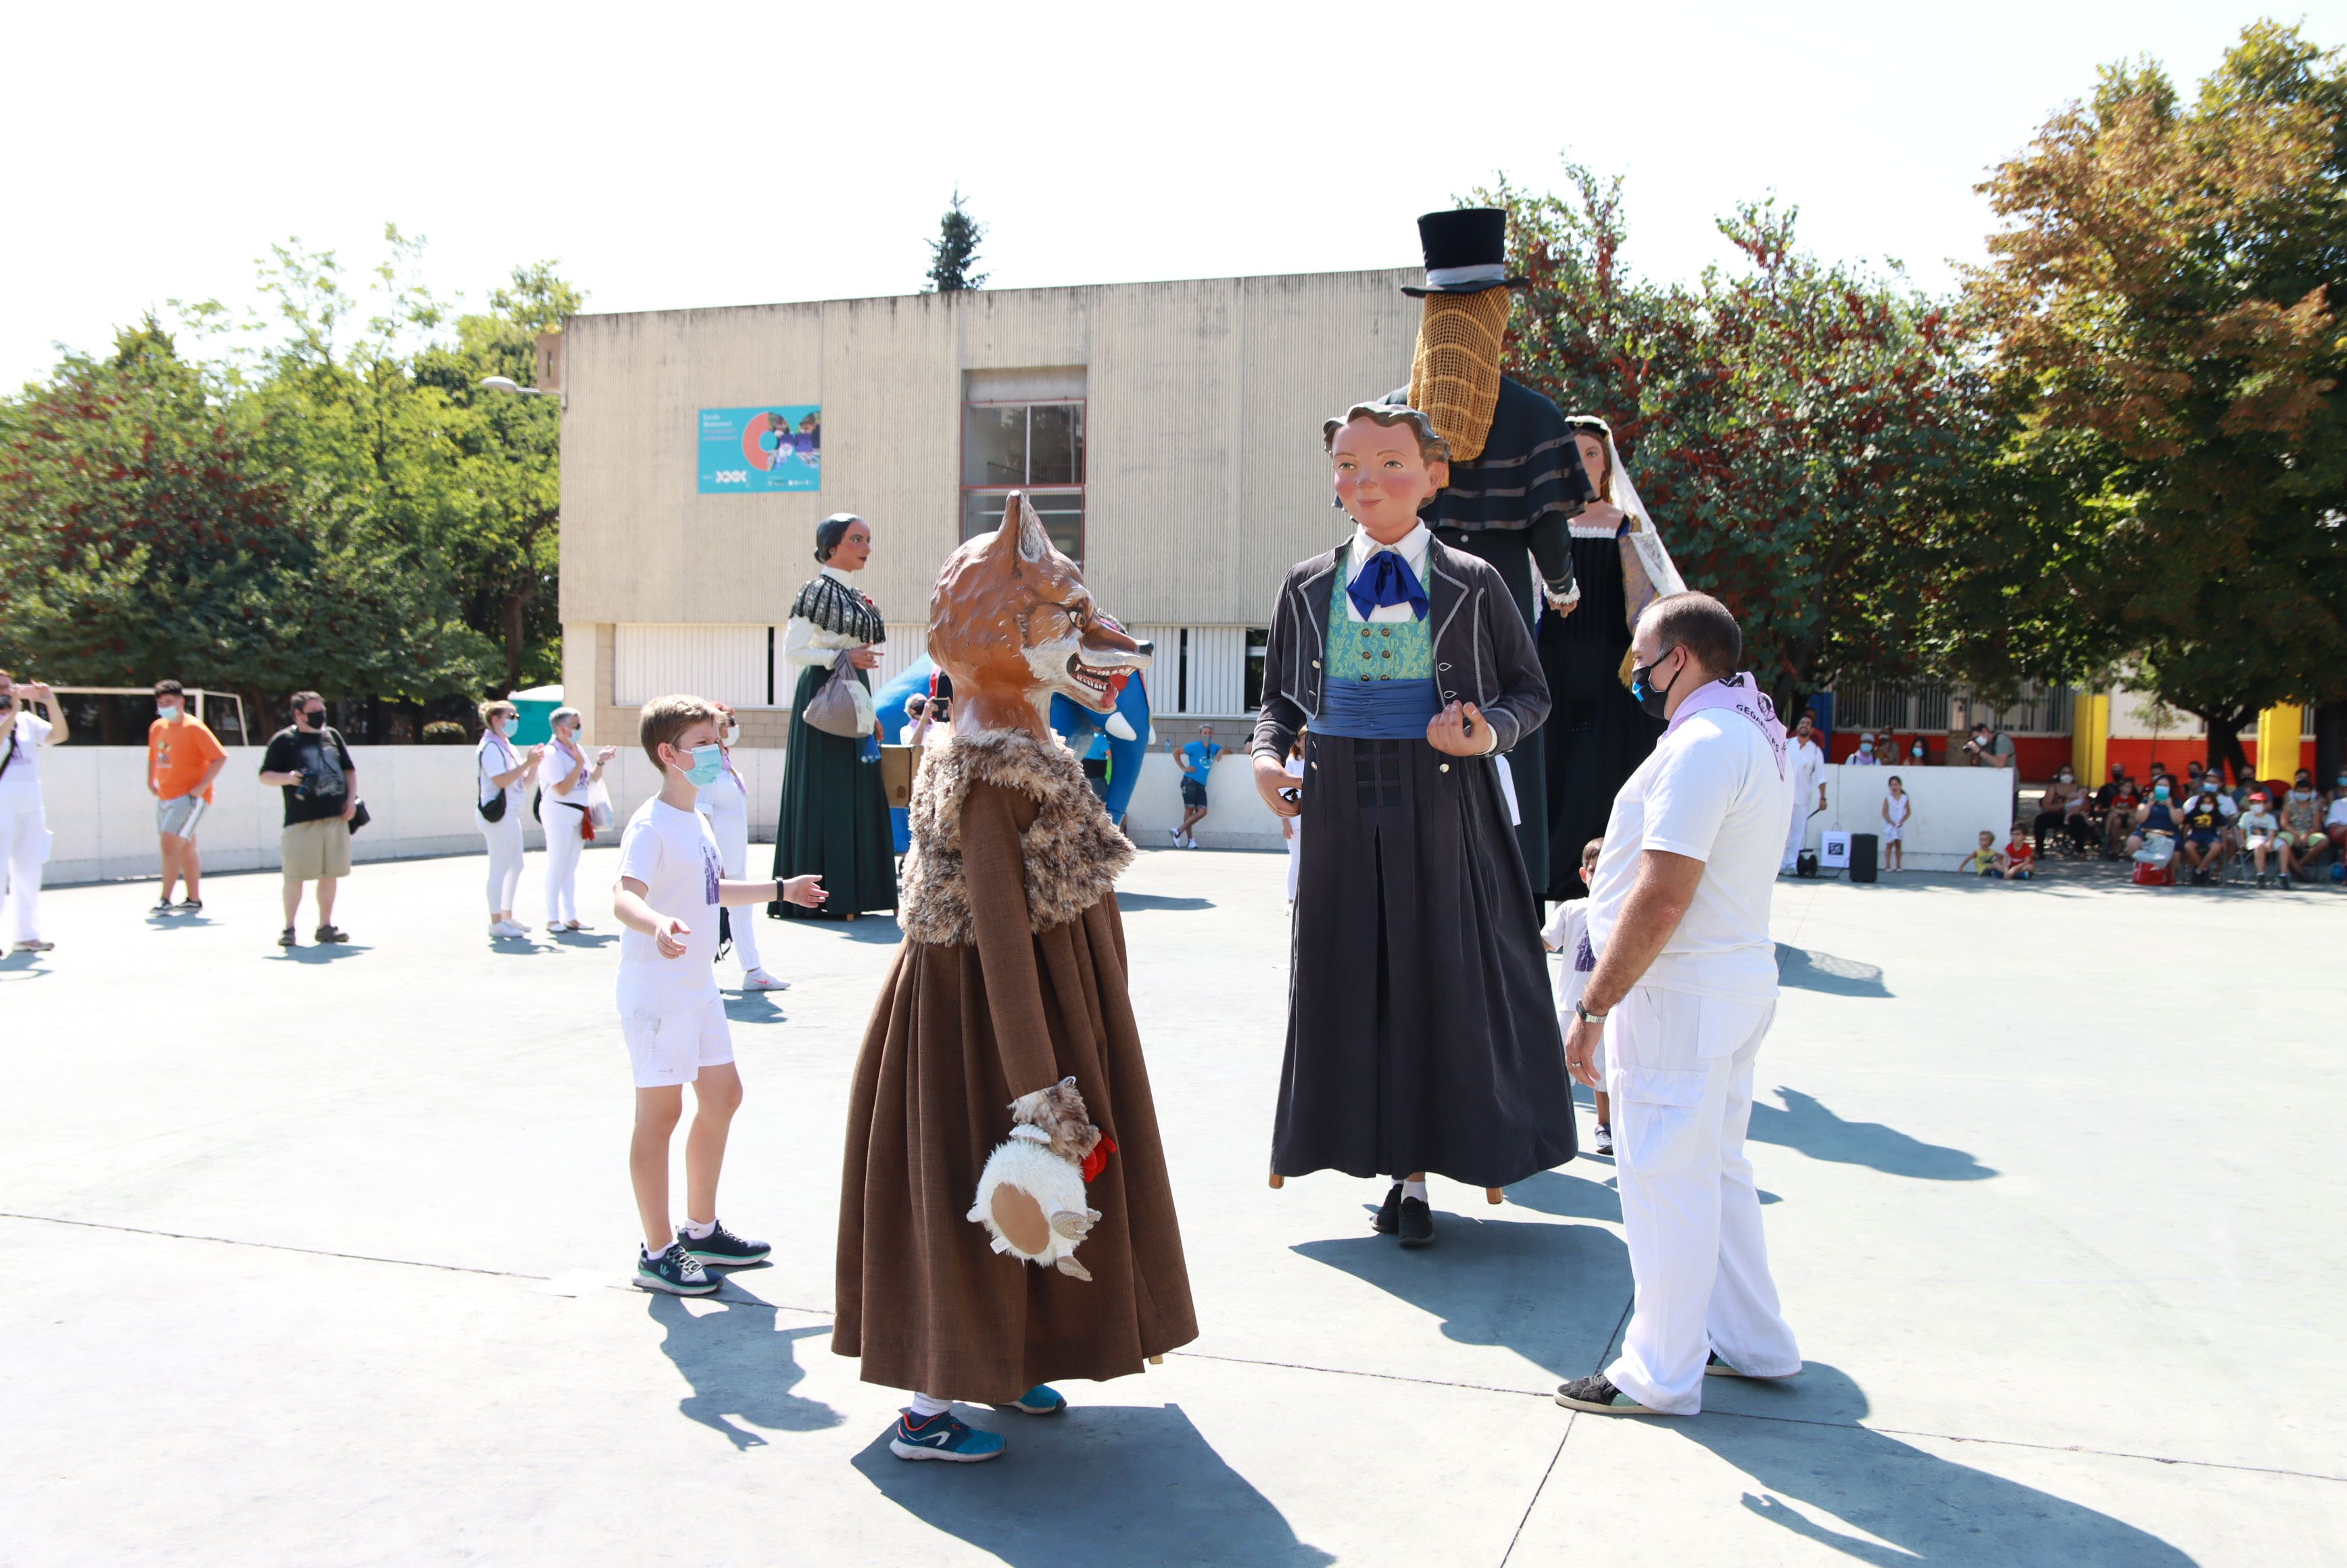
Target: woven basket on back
pixel 1454 375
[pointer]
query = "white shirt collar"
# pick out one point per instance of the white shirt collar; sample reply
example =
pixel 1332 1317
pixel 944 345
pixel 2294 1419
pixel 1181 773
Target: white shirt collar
pixel 836 575
pixel 1411 546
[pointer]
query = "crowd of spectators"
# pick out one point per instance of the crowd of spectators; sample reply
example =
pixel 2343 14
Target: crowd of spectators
pixel 2276 833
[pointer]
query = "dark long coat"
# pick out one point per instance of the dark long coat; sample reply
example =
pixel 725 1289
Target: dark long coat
pixel 1421 1031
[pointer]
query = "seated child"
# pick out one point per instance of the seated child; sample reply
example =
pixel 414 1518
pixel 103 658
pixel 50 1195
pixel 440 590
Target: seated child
pixel 2260 830
pixel 1984 861
pixel 1568 934
pixel 2020 858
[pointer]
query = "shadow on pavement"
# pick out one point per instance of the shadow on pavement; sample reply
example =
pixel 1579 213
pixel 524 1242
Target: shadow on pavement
pixel 741 1361
pixel 310 953
pixel 582 938
pixel 1806 1124
pixel 754 1007
pixel 882 929
pixel 1100 1484
pixel 1580 1197
pixel 1814 971
pixel 1549 1292
pixel 1921 1509
pixel 1159 901
pixel 23 966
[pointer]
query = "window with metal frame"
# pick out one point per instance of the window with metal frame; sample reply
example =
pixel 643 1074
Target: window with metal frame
pixel 1035 446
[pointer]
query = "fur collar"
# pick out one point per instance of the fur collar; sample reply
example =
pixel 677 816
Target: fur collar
pixel 1073 853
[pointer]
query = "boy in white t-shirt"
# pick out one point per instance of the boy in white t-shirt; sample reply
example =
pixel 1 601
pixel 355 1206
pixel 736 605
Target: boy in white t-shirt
pixel 671 881
pixel 1568 934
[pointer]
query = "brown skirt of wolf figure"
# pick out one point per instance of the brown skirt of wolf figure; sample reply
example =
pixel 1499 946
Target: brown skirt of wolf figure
pixel 923 1298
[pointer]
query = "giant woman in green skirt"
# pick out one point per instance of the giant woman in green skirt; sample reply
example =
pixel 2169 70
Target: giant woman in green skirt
pixel 834 819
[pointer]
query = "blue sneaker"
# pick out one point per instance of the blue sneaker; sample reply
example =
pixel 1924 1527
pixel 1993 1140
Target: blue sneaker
pixel 942 1436
pixel 723 1248
pixel 1040 1400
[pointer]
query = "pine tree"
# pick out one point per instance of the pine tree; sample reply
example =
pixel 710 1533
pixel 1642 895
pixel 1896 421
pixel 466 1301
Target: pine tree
pixel 953 251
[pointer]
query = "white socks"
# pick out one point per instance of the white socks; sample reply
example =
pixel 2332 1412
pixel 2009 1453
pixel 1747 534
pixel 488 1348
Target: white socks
pixel 927 1409
pixel 699 1232
pixel 1414 1190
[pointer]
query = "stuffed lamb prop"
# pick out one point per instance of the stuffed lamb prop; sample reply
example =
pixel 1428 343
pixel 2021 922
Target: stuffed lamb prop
pixel 1030 1196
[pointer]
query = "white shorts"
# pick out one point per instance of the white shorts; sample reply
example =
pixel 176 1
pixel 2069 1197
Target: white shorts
pixel 667 1048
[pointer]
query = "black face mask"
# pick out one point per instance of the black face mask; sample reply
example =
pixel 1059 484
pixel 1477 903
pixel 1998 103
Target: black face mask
pixel 313 720
pixel 1642 686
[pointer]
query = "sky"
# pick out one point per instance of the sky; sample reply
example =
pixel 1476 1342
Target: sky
pixel 689 156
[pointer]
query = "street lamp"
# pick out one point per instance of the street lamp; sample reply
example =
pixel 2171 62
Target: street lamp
pixel 507 383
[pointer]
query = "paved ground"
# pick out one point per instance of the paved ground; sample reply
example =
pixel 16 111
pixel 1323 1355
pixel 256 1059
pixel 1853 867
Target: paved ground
pixel 319 1260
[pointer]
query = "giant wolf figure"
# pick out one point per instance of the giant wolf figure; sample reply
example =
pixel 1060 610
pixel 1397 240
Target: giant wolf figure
pixel 1007 1001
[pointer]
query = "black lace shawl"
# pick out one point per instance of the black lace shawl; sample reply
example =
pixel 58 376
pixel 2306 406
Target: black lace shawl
pixel 835 606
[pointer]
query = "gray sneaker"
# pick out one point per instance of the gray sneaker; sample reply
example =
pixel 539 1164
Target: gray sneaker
pixel 675 1271
pixel 1598 1395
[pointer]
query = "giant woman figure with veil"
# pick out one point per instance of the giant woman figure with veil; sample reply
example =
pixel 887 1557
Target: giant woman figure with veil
pixel 1597 734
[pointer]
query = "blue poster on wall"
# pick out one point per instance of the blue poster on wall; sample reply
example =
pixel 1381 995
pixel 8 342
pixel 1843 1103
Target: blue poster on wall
pixel 773 446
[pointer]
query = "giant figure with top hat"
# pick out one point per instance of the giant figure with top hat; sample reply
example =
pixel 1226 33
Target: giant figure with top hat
pixel 1515 479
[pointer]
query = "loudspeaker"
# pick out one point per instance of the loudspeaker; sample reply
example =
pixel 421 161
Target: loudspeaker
pixel 1805 863
pixel 1862 856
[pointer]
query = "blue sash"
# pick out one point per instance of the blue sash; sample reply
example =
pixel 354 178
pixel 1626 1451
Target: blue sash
pixel 1377 710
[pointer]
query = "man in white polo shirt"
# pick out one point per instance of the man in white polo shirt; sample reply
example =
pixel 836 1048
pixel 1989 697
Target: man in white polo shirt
pixel 1681 996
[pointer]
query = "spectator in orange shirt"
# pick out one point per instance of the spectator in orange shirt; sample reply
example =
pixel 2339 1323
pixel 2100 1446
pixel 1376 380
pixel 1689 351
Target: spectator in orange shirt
pixel 183 758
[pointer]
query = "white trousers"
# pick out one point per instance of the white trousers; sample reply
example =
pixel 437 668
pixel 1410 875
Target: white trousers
pixel 1679 1069
pixel 23 846
pixel 734 849
pixel 1798 831
pixel 562 847
pixel 504 840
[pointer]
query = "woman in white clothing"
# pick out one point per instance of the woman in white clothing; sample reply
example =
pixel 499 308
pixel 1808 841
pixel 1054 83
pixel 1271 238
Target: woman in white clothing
pixel 23 821
pixel 726 803
pixel 499 804
pixel 564 773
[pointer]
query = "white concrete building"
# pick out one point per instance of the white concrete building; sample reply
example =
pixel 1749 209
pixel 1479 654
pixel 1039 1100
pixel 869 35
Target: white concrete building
pixel 1169 434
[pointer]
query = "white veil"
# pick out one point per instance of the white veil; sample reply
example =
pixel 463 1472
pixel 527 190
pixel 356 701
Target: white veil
pixel 1661 570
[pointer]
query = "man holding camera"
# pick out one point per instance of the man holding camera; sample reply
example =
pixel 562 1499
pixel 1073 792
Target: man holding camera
pixel 311 765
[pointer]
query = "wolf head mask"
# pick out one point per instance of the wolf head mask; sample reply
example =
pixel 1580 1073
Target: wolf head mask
pixel 1012 623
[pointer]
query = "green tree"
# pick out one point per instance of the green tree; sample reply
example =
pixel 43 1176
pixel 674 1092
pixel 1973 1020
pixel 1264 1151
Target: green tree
pixel 955 251
pixel 504 553
pixel 2162 306
pixel 152 530
pixel 1809 436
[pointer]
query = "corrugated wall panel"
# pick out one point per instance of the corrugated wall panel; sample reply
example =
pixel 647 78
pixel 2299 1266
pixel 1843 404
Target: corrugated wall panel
pixel 727 663
pixel 1217 668
pixel 908 641
pixel 1215 682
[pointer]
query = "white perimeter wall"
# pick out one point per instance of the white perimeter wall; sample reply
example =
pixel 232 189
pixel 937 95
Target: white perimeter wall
pixel 421 797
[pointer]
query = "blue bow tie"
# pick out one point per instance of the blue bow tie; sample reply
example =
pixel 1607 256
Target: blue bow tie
pixel 1387 579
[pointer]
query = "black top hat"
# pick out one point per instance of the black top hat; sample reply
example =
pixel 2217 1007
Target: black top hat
pixel 1466 251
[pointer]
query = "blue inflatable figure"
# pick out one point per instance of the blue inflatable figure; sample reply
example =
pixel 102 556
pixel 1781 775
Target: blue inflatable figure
pixel 1124 752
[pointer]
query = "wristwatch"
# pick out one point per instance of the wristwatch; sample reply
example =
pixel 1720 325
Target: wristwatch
pixel 1586 1016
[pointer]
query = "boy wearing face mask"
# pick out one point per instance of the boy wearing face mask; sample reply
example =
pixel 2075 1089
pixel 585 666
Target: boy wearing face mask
pixel 672 885
pixel 183 758
pixel 1866 756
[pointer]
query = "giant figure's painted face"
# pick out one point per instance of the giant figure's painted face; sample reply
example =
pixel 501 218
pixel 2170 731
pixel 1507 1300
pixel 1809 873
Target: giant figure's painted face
pixel 1011 620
